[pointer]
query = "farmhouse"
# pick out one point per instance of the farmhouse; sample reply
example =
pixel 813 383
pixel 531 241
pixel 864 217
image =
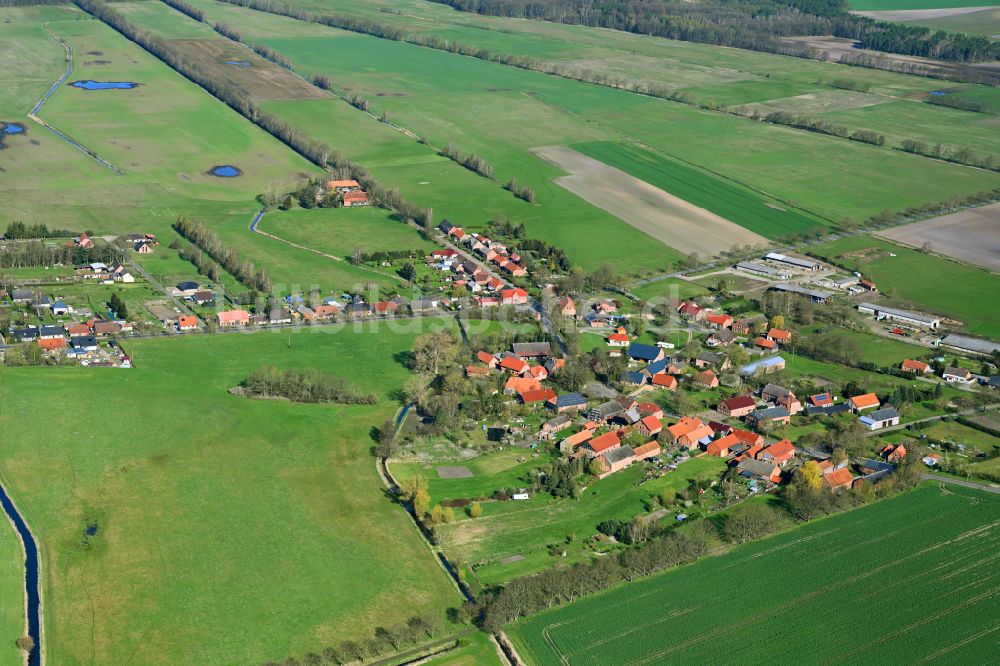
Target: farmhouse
pixel 720 337
pixel 798 261
pixel 531 349
pixel 719 321
pixel 352 199
pixel 536 396
pixel 748 324
pixel 689 432
pixel 606 442
pixel 957 376
pixel 759 469
pixel 737 407
pixel 605 411
pixel 618 340
pixel 569 443
pixel 779 395
pixel 917 319
pixel 762 418
pixel 345 186
pixel 616 460
pixel 477 371
pixel 765 343
pixel 779 453
pixel 187 323
pixel 780 336
pixel 521 384
pixel 514 365
pixel 647 450
pixel 894 453
pixel 665 381
pixel 231 318
pixel 707 359
pixel 839 479
pixel 647 353
pixel 706 379
pixel 52 344
pixel 916 367
pixel 557 424
pixel 650 426
pixel 567 308
pixel 860 403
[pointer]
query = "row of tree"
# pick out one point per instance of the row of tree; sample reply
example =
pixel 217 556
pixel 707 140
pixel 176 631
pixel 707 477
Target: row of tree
pixel 951 154
pixel 33 254
pixel 202 262
pixel 472 161
pixel 209 242
pixel 18 230
pixel 303 386
pixel 187 9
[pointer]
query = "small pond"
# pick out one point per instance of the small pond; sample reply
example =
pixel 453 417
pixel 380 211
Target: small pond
pixel 225 171
pixel 238 63
pixel 10 128
pixel 939 93
pixel 104 85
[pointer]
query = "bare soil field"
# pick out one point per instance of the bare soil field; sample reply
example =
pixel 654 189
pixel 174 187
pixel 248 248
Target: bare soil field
pixel 258 77
pixel 972 235
pixel 903 15
pixel 835 48
pixel 668 219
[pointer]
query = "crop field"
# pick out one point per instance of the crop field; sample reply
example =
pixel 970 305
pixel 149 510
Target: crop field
pixel 969 235
pixel 886 5
pixel 512 538
pixel 416 88
pixel 745 207
pixel 193 489
pixel 926 559
pixel 927 282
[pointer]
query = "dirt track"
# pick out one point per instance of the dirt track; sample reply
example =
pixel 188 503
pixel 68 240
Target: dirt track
pixel 663 216
pixel 971 235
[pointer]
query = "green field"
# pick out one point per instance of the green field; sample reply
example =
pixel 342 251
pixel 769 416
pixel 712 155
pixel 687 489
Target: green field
pixel 512 538
pixel 229 530
pixel 985 22
pixel 12 617
pixel 924 281
pixel 885 5
pixel 474 650
pixel 743 206
pixel 342 231
pixel 669 288
pixel 921 559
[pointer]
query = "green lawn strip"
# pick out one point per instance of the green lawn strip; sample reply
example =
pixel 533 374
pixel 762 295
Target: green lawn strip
pixel 342 231
pixel 193 489
pixel 670 288
pixel 169 22
pixel 12 610
pixel 476 649
pixel 925 282
pixel 693 613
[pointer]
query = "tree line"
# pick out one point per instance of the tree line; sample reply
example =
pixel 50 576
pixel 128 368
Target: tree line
pixel 302 386
pixel 35 253
pixel 472 161
pixel 209 242
pixel 186 9
pixel 18 230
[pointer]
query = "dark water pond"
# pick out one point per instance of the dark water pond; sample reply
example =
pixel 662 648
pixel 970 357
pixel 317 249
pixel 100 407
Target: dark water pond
pixel 939 93
pixel 104 85
pixel 225 171
pixel 10 128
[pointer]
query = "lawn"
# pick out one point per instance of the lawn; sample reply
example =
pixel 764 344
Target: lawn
pixel 342 231
pixel 229 530
pixel 926 571
pixel 669 289
pixel 925 282
pixel 950 431
pixel 12 617
pixel 883 351
pixel 738 204
pixel 476 649
pixel 512 538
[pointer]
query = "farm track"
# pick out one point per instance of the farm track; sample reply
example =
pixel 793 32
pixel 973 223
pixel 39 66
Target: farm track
pixel 33 114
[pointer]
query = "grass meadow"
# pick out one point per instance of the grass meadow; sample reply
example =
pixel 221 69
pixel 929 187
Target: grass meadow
pixel 888 5
pixel 914 570
pixel 985 22
pixel 512 538
pixel 12 594
pixel 924 281
pixel 342 231
pixel 228 530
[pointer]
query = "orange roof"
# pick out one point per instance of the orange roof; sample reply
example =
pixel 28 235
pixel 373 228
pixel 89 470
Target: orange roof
pixel 538 372
pixel 604 442
pixel 779 334
pixel 718 446
pixel 665 380
pixel 707 377
pixel 866 400
pixel 783 450
pixel 915 366
pixel 343 183
pixel 477 370
pixel 590 425
pixel 765 343
pixel 579 438
pixel 651 423
pixel 233 316
pixel 355 197
pixel 685 426
pixel 649 448
pixel 514 363
pixel 617 337
pixel 486 357
pixel 746 436
pixel 78 329
pixel 720 319
pixel 522 384
pixel 185 321
pixel 538 395
pixel 839 477
pixel 52 343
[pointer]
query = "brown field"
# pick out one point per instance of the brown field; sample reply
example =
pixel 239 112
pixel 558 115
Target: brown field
pixel 263 80
pixel 668 219
pixel 903 15
pixel 971 235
